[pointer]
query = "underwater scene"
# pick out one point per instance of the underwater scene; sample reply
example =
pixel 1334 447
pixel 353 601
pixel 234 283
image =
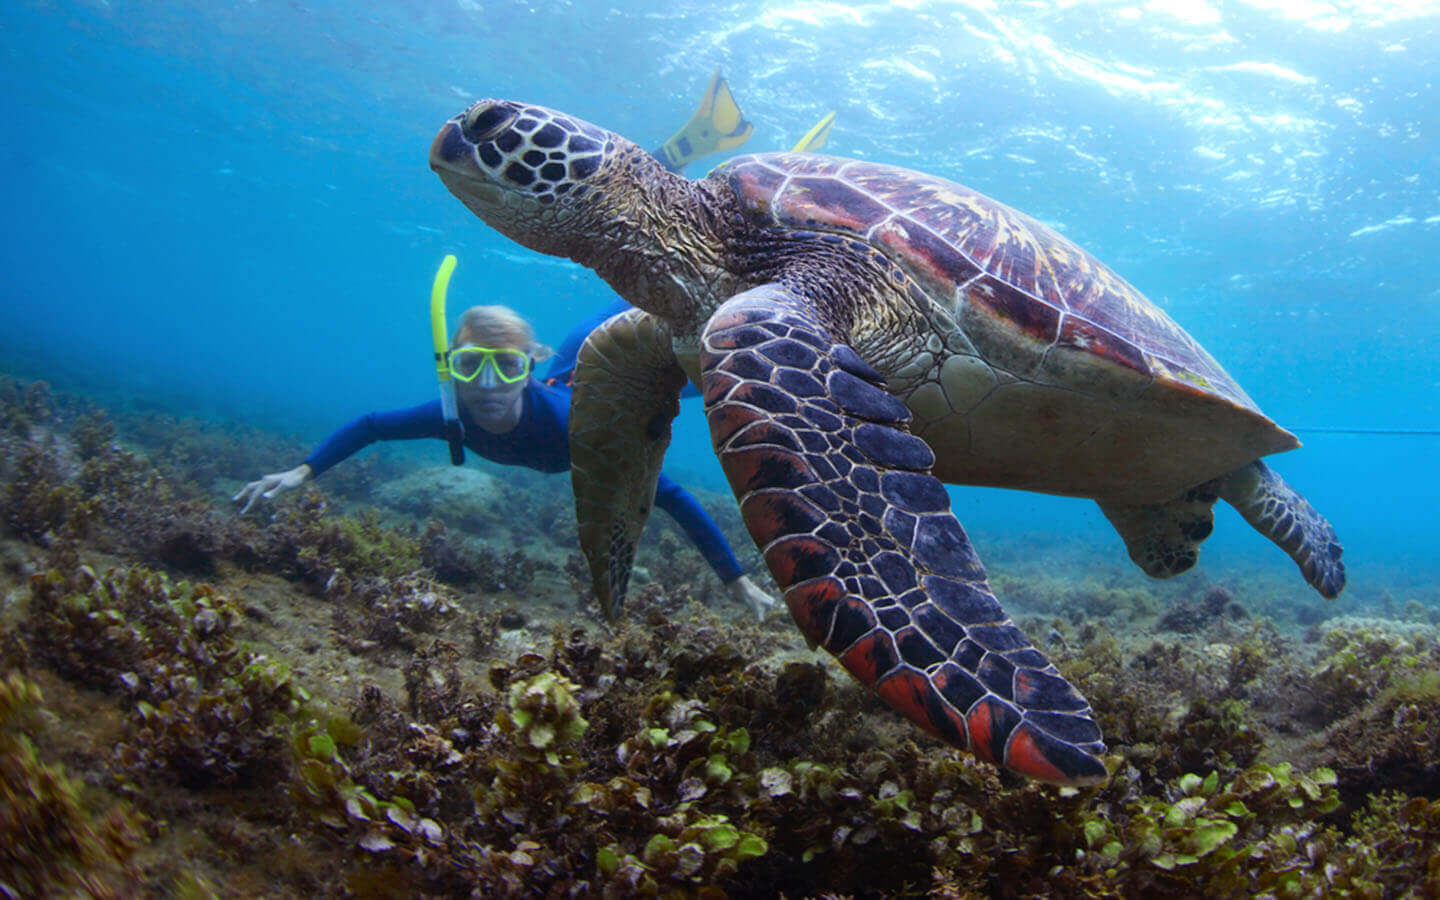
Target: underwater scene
pixel 762 449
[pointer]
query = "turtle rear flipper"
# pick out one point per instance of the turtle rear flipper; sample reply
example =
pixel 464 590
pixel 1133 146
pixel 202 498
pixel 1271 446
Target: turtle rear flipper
pixel 875 568
pixel 626 393
pixel 1164 538
pixel 1277 511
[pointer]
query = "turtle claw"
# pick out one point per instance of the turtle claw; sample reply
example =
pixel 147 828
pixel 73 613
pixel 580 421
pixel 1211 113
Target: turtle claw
pixel 837 494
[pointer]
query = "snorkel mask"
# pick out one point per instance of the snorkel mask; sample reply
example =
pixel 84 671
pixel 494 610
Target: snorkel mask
pixel 454 432
pixel 507 364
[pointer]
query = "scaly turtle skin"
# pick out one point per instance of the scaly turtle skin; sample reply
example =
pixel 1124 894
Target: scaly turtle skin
pixel 862 333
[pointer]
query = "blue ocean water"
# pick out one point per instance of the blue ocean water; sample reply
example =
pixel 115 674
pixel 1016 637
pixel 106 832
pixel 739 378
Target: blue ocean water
pixel 225 209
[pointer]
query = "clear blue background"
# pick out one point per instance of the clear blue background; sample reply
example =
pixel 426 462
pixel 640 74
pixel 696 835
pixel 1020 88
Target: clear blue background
pixel 226 208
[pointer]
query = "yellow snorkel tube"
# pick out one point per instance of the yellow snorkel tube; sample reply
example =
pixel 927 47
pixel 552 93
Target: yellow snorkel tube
pixel 454 432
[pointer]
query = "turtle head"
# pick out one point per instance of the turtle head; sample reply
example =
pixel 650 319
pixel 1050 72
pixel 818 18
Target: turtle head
pixel 529 172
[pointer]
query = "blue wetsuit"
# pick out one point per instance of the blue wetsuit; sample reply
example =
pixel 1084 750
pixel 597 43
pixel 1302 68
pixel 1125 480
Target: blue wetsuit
pixel 540 440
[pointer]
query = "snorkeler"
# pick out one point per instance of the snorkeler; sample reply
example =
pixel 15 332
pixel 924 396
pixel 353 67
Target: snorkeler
pixel 508 416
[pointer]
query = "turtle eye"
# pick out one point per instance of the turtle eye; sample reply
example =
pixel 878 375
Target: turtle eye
pixel 485 120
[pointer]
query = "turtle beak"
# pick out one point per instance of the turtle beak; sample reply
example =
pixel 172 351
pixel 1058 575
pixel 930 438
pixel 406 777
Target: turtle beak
pixel 452 157
pixel 450 150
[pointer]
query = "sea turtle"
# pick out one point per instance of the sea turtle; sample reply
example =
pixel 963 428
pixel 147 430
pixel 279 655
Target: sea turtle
pixel 861 334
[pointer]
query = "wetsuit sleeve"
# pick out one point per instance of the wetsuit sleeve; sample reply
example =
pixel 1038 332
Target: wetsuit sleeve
pixel 697 524
pixel 423 421
pixel 563 364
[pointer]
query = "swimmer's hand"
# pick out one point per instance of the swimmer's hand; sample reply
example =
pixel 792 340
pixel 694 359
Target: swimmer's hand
pixel 270 485
pixel 745 591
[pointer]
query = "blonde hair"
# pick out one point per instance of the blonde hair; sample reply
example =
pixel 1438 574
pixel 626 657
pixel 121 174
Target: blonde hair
pixel 498 326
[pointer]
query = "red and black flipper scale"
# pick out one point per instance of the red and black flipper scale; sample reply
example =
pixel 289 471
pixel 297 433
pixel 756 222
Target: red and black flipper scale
pixel 875 568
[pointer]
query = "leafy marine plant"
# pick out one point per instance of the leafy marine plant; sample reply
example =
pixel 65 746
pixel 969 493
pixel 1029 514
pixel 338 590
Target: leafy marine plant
pixel 689 852
pixel 1393 851
pixel 542 725
pixel 39 497
pixel 24 404
pixel 659 761
pixel 1388 744
pixel 94 627
pixel 534 822
pixel 715 757
pixel 687 847
pixel 65 488
pixel 307 541
pixel 1207 737
pixel 52 843
pixel 201 708
pixel 93 434
pixel 1209 833
pixel 1362 659
pixel 475 564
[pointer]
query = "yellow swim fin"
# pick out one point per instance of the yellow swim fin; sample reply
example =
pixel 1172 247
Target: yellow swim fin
pixel 816 137
pixel 717 125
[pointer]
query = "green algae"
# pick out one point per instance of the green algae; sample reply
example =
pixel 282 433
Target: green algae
pixel 53 841
pixel 691 755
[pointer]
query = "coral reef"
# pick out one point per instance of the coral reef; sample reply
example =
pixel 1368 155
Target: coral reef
pixel 38 500
pixel 1189 615
pixel 309 543
pixel 377 701
pixel 686 797
pixel 1377 688
pixel 474 564
pixel 467 499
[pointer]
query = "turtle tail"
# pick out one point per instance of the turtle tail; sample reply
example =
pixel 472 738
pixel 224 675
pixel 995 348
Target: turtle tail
pixel 1164 538
pixel 1277 510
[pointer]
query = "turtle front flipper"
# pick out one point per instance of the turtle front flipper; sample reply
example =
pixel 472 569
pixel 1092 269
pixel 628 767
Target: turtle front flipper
pixel 627 389
pixel 1277 510
pixel 839 498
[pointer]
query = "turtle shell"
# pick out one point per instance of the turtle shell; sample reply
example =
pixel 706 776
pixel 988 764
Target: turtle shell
pixel 969 251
